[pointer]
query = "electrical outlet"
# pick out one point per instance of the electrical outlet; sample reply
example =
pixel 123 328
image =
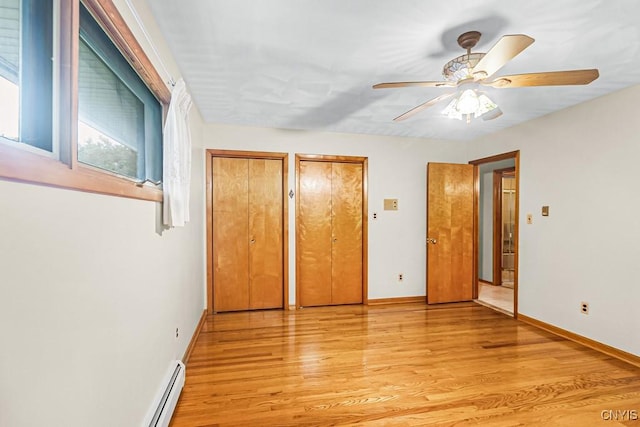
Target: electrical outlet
pixel 177 332
pixel 375 215
pixel 400 277
pixel 584 307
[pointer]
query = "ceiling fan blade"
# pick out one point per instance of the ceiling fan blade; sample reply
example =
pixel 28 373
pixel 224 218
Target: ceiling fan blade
pixel 507 48
pixel 553 78
pixel 424 106
pixel 410 84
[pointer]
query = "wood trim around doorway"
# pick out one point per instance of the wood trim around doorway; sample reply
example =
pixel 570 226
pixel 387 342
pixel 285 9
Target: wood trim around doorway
pixel 498 174
pixel 210 154
pixel 504 156
pixel 364 161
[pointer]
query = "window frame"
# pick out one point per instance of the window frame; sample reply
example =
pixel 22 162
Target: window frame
pixel 64 170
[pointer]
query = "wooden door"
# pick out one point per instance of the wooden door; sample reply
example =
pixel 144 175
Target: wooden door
pixel 247 211
pixel 230 211
pixel 314 233
pixel 449 232
pixel 346 228
pixel 330 233
pixel 265 234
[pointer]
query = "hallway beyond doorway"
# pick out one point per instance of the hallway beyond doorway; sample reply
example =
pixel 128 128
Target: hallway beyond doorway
pixel 497 297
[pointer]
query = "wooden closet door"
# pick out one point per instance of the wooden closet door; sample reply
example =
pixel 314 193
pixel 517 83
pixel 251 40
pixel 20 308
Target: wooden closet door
pixel 230 212
pixel 346 218
pixel 265 234
pixel 314 233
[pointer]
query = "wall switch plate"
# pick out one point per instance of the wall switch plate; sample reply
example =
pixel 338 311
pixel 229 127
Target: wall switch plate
pixel 390 204
pixel 545 211
pixel 529 218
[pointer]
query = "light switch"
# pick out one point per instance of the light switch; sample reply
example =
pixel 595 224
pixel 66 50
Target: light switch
pixel 545 211
pixel 390 204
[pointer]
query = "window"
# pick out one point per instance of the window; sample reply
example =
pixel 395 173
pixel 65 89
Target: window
pixel 119 119
pixel 26 72
pixel 9 66
pixel 97 114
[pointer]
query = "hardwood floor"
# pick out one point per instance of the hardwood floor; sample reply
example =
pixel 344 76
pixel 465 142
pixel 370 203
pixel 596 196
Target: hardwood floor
pixel 398 365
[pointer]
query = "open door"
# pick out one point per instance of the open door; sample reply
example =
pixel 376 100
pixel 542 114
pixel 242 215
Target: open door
pixel 450 232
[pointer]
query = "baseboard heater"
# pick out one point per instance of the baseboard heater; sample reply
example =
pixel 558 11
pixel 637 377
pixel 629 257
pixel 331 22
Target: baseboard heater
pixel 167 397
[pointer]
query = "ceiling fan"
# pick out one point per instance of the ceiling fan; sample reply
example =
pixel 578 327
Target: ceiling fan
pixel 468 73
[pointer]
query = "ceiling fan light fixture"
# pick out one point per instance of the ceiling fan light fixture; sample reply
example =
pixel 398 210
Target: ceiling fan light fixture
pixel 485 104
pixel 451 111
pixel 492 114
pixel 468 104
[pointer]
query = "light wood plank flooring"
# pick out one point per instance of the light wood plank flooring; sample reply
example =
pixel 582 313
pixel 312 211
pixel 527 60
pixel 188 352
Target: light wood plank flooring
pixel 396 365
pixel 499 297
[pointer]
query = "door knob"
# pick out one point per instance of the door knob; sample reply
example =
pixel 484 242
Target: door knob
pixel 432 241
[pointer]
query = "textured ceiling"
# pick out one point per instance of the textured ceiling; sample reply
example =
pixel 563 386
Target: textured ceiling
pixel 310 64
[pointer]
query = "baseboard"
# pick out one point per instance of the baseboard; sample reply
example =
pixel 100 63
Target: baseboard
pixel 486 282
pixel 400 300
pixel 194 338
pixel 588 342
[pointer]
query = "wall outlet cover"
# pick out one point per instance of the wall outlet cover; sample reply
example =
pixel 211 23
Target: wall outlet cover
pixel 390 204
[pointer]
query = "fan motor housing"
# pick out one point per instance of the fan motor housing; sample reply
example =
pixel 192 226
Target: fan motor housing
pixel 469 39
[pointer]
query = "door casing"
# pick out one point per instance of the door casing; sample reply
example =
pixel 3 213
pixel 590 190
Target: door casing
pixel 498 174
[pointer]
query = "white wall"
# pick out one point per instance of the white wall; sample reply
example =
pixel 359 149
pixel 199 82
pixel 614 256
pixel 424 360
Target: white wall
pixel 90 296
pixel 397 169
pixel 583 163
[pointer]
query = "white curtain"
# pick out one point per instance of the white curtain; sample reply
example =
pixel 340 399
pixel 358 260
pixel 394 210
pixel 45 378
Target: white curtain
pixel 177 158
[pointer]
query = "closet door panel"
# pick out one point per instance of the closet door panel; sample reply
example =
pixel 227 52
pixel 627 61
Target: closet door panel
pixel 314 233
pixel 265 234
pixel 230 234
pixel 346 216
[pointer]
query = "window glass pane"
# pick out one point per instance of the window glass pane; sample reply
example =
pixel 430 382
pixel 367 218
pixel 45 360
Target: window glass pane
pixel 97 149
pixel 26 71
pixel 9 107
pixel 106 103
pixel 111 117
pixel 9 63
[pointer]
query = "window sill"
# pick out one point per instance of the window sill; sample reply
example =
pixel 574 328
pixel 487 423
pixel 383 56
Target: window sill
pixel 21 165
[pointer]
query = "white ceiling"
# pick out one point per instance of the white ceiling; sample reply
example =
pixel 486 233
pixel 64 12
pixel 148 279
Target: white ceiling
pixel 310 64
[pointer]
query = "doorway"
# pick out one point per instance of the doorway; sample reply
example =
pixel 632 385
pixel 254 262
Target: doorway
pixel 496 253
